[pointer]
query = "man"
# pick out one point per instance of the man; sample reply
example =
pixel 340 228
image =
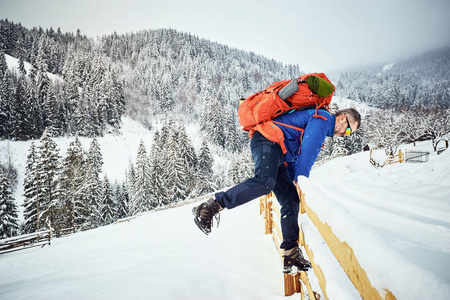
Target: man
pixel 278 172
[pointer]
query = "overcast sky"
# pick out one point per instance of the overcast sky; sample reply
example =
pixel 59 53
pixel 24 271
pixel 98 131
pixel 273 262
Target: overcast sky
pixel 318 35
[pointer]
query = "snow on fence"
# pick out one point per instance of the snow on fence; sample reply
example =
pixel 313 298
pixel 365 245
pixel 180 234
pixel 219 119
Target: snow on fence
pixel 341 250
pixel 26 241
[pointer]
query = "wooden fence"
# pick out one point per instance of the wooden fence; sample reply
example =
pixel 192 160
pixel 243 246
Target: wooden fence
pixel 341 250
pixel 411 156
pixel 391 159
pixel 26 241
pixel 292 283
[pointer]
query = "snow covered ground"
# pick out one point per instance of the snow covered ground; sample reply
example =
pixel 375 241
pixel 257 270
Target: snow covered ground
pixel 396 219
pixel 160 255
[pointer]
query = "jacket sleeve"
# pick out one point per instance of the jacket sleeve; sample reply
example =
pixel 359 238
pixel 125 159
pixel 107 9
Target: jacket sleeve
pixel 313 138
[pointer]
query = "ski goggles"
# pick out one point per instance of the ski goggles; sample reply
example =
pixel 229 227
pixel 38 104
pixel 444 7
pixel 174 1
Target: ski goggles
pixel 348 131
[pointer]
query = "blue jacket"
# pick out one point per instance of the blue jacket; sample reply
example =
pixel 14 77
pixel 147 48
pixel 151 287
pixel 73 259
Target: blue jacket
pixel 316 129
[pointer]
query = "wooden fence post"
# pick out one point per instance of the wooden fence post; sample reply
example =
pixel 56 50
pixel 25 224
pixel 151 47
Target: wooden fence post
pixel 268 217
pixel 292 283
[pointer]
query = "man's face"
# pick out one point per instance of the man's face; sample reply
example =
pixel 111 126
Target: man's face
pixel 341 125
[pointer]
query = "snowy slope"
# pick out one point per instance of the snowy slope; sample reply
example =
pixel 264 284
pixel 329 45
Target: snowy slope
pixel 13 64
pixel 159 255
pixel 118 151
pixel 396 219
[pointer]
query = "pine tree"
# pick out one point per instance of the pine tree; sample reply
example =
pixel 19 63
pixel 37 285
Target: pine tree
pixel 4 108
pixel 20 52
pixel 165 98
pixel 7 108
pixel 130 185
pixel 32 206
pixel 232 140
pixel 72 182
pixel 93 183
pixel 24 124
pixel 109 209
pixel 121 199
pixel 157 181
pixel 217 123
pixel 80 114
pixel 212 121
pixel 52 120
pixel 9 221
pixel 35 115
pixel 205 167
pixel 3 64
pixel 188 158
pixel 141 198
pixel 48 168
pixel 176 170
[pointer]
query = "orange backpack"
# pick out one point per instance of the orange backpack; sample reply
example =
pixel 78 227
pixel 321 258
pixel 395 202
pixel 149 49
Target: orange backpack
pixel 257 111
pixel 267 104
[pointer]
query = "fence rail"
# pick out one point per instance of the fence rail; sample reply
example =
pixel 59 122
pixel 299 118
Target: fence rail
pixel 391 159
pixel 416 156
pixel 26 241
pixel 411 156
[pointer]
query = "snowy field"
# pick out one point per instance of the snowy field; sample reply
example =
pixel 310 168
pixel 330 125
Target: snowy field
pixel 396 219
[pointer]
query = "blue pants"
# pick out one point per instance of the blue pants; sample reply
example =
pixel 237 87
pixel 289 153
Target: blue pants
pixel 270 175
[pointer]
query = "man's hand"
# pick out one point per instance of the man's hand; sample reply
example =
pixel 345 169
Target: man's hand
pixel 301 183
pixel 297 186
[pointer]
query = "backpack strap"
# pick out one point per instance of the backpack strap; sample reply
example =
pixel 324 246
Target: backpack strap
pixel 319 116
pixel 290 126
pixel 295 128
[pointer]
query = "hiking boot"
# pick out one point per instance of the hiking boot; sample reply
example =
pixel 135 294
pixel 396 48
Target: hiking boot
pixel 204 214
pixel 294 261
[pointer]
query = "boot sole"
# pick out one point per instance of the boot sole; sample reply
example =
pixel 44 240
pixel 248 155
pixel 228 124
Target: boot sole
pixel 199 223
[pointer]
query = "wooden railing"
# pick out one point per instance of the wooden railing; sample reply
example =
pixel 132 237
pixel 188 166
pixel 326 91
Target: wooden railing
pixel 341 250
pixel 391 159
pixel 26 241
pixel 292 283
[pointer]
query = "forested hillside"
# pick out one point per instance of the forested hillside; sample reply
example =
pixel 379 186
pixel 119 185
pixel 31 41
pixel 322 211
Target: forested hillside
pixel 412 95
pixel 86 100
pixel 69 85
pixel 419 82
pixel 148 73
